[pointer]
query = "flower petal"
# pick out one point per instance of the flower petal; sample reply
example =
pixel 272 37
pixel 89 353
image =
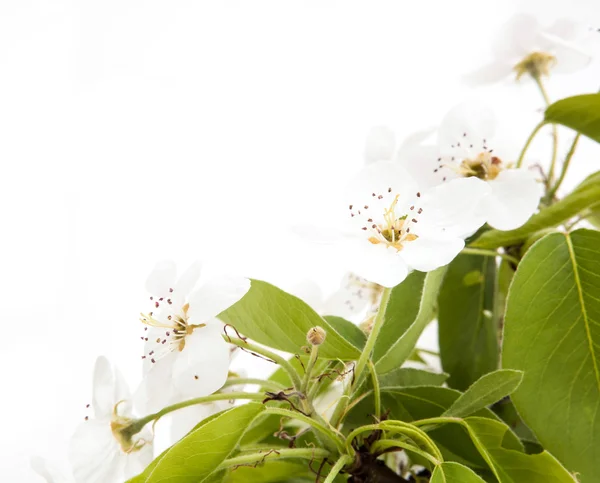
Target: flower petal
pixel 184 420
pixel 136 462
pixel 489 74
pixel 423 165
pixel 201 368
pixel 122 394
pixel 215 296
pixel 514 197
pixel 380 144
pixel 376 263
pixel 517 38
pixel 569 57
pixel 467 124
pixel 162 278
pixel 103 388
pixel 426 254
pixel 156 389
pixel 47 471
pixel 187 280
pixel 94 453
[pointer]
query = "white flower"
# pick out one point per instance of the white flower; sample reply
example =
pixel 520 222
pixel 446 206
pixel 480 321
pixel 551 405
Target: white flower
pixel 465 151
pixel 185 355
pixel 393 228
pixel 354 295
pixel 381 144
pixel 523 46
pixel 101 449
pixel 48 471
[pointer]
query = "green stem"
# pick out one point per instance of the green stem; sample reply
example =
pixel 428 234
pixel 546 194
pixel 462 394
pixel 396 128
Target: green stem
pixel 565 167
pixel 365 356
pixel 528 143
pixel 339 465
pixel 384 444
pixel 314 355
pixel 489 253
pixel 285 365
pixel 264 384
pixel 550 178
pixel 376 390
pixel 330 433
pixel 280 453
pixel 137 425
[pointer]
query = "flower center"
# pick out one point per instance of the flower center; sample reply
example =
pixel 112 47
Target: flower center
pixel 176 328
pixel 536 64
pixel 484 166
pixel 392 229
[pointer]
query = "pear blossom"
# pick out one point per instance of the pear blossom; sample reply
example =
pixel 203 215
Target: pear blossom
pixel 465 150
pixel 524 46
pixel 102 450
pixel 48 471
pixel 393 228
pixel 185 355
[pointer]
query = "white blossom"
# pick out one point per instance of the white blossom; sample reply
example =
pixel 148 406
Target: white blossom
pixel 465 150
pixel 524 46
pixel 101 450
pixel 48 471
pixel 185 355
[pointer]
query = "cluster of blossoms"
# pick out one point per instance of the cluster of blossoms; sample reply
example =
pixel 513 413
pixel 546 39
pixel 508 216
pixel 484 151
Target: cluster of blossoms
pixel 410 208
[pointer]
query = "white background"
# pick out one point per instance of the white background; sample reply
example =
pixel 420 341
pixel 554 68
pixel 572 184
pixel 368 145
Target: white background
pixel 134 130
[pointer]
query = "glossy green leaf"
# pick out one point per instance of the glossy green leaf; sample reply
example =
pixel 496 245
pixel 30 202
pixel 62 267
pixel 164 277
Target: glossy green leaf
pixel 489 389
pixel 279 320
pixel 508 464
pixel 196 456
pixel 468 333
pixel 449 472
pixel 552 333
pixel 347 330
pixel 580 113
pixel 271 471
pixel 411 377
pixel 507 412
pixel 571 205
pixel 410 308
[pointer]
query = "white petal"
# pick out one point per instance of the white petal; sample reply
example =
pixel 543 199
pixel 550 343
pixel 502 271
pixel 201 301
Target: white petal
pixel 94 453
pixel 380 144
pixel 514 198
pixel 451 208
pixel 184 420
pixel 426 254
pixel 469 123
pixel 136 462
pixel 352 297
pixel 489 74
pixel 422 162
pixel 374 188
pixel 517 38
pixel 187 280
pixel 103 388
pixel 215 296
pixel 161 279
pixel 122 394
pixel 569 57
pixel 318 234
pixel 415 139
pixel 47 471
pixel 376 263
pixel 567 29
pixel 156 389
pixel 201 368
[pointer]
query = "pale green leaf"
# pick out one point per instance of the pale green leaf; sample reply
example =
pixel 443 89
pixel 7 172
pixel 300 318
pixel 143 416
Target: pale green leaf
pixel 580 113
pixel 449 472
pixel 410 308
pixel 196 456
pixel 271 471
pixel 279 320
pixel 552 333
pixel 468 333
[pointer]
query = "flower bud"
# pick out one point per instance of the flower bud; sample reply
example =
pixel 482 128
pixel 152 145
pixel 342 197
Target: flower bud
pixel 316 336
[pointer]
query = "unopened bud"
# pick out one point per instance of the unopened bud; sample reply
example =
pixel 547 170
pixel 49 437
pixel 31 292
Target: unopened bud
pixel 316 336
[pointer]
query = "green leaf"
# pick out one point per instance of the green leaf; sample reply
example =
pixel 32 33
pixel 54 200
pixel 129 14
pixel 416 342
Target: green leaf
pixel 580 113
pixel 468 333
pixel 347 330
pixel 509 465
pixel 490 388
pixel 552 333
pixel 410 377
pixel 279 320
pixel 449 472
pixel 410 308
pixel 196 456
pixel 506 410
pixel 578 201
pixel 271 471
